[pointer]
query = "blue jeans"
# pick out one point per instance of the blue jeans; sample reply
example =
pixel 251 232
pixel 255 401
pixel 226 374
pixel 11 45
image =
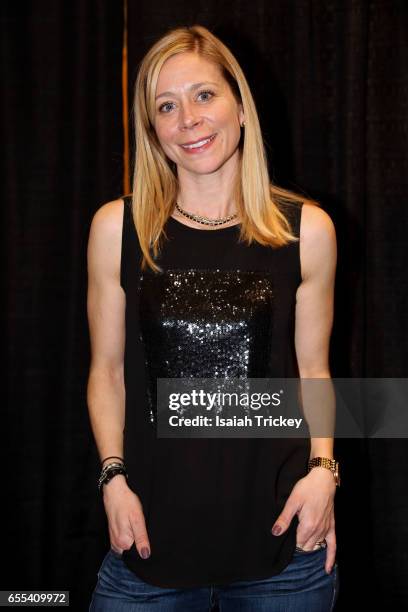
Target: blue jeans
pixel 302 586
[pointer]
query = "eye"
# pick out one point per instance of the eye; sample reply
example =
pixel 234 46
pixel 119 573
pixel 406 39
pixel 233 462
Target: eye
pixel 206 92
pixel 162 106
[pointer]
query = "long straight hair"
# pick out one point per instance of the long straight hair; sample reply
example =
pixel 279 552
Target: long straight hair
pixel 155 181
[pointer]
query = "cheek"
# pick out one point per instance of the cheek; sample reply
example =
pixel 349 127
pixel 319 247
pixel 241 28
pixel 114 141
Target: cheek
pixel 230 129
pixel 167 136
pixel 165 132
pixel 227 116
pixel 162 135
pixel 167 141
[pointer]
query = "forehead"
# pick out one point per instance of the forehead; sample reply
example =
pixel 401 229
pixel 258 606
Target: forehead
pixel 184 69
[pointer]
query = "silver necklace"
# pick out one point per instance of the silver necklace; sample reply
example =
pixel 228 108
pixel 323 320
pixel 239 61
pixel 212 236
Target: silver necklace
pixel 205 220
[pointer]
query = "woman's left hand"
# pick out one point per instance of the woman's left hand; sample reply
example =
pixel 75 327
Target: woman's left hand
pixel 312 499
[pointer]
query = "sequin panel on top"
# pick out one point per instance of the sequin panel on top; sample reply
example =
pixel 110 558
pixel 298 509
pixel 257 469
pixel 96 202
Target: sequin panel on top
pixel 205 324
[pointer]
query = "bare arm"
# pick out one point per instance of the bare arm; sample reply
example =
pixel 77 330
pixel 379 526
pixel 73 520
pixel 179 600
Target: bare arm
pixel 312 498
pixel 106 318
pixel 106 388
pixel 314 313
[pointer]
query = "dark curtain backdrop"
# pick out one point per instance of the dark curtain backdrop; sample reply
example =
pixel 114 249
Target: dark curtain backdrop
pixel 61 120
pixel 331 87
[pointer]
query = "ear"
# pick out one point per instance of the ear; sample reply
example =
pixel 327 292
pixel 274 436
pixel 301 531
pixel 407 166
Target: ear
pixel 241 113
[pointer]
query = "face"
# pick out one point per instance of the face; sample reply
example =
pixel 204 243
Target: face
pixel 195 105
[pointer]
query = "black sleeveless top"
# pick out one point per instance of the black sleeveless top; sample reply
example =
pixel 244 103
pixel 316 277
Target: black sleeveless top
pixel 219 308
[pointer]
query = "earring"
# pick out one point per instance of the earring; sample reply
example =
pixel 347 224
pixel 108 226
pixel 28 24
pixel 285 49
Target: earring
pixel 243 124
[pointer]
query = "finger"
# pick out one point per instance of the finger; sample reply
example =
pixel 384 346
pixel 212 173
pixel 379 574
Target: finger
pixel 331 550
pixel 118 550
pixel 141 539
pixel 307 537
pixel 284 519
pixel 121 537
pixel 312 543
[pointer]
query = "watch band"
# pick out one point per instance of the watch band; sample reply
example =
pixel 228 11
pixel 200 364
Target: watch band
pixel 330 464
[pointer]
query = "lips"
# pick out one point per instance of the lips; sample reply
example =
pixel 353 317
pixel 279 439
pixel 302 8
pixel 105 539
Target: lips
pixel 196 144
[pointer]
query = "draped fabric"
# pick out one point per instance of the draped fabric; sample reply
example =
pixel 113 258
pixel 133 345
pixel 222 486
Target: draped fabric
pixel 61 120
pixel 331 87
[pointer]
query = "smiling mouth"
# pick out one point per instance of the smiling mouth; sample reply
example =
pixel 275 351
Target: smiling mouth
pixel 199 143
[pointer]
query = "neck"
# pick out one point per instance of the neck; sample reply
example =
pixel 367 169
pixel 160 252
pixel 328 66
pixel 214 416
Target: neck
pixel 209 195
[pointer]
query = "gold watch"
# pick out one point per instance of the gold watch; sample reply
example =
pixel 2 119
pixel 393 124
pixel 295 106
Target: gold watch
pixel 330 464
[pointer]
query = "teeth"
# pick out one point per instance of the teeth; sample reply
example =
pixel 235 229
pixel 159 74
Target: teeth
pixel 197 144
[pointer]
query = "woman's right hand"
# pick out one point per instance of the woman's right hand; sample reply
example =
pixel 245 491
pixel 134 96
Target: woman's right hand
pixel 125 517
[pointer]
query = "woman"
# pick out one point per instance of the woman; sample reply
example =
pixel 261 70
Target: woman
pixel 201 274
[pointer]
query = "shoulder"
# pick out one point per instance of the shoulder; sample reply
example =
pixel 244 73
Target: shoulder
pixel 315 223
pixel 317 239
pixel 108 219
pixel 105 237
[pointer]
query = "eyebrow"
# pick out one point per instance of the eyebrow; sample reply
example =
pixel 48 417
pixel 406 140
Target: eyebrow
pixel 192 88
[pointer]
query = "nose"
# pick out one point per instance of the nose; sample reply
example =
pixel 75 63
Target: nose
pixel 188 116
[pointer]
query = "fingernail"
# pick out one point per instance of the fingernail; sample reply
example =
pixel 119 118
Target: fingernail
pixel 145 553
pixel 277 530
pixel 329 571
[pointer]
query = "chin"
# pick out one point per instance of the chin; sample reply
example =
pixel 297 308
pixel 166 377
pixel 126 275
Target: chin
pixel 205 167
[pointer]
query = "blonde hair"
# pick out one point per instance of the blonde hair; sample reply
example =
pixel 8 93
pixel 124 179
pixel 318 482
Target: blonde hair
pixel 155 182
